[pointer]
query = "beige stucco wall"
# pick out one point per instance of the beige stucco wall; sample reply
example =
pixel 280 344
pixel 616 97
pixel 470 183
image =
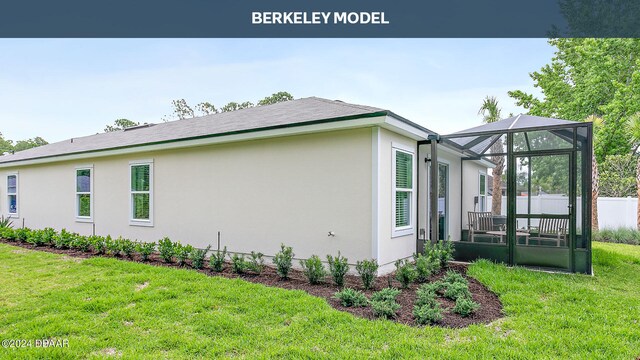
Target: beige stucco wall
pixel 471 188
pixel 258 194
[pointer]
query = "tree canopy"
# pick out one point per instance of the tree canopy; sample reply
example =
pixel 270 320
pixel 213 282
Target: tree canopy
pixel 120 124
pixel 8 145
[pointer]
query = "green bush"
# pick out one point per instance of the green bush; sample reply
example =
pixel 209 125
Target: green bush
pixel 457 290
pixel 425 267
pixel 426 315
pixel 182 253
pixel 145 249
pixel 5 222
pixel 425 296
pixel 620 235
pixel 198 257
pixel 22 234
pixel 465 306
pixel 338 268
pixel 435 287
pixel 454 277
pixel 98 243
pixel 256 262
pixel 238 264
pixel 283 261
pixel 313 269
pixel 386 309
pixel 8 233
pixel 405 272
pixel 63 239
pixel 351 298
pixel 166 249
pixel 112 246
pixel 367 269
pixel 47 235
pixel 216 261
pixel 386 294
pixel 127 247
pixel 440 252
pixel 35 237
pixel 81 243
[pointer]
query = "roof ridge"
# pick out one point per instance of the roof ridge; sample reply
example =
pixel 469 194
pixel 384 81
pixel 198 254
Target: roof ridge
pixel 342 103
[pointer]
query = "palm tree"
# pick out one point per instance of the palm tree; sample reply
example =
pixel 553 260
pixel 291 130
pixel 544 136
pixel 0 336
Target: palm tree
pixel 490 112
pixel 595 187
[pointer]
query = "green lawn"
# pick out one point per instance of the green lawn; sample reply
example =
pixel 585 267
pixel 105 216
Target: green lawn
pixel 107 307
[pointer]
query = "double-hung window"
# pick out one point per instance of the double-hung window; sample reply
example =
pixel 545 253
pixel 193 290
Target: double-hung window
pixel 12 194
pixel 402 191
pixel 84 193
pixel 141 193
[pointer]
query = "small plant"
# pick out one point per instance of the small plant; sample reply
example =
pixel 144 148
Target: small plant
pixel 454 277
pixel 351 298
pixel 465 306
pixel 238 264
pixel 425 267
pixel 5 222
pixel 81 243
pixel 145 249
pixel 338 267
pixel 405 273
pixel 283 261
pixel 127 247
pixel 457 290
pixel 367 270
pixel 386 294
pixel 441 252
pixel 386 309
pixel 98 243
pixel 313 269
pixel 166 249
pixel 425 296
pixel 112 246
pixel 63 239
pixel 256 262
pixel 22 234
pixel 216 261
pixel 8 233
pixel 198 256
pixel 182 253
pixel 47 235
pixel 426 314
pixel 34 237
pixel 435 287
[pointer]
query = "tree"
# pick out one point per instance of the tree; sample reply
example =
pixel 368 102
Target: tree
pixel 120 124
pixel 29 143
pixel 280 96
pixel 181 109
pixel 5 145
pixel 634 125
pixel 490 112
pixel 618 176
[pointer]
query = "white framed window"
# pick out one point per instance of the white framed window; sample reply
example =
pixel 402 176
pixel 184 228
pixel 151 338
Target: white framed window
pixel 403 188
pixel 141 193
pixel 84 193
pixel 482 192
pixel 12 195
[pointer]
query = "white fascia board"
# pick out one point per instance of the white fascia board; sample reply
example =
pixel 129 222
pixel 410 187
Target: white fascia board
pixel 402 128
pixel 178 144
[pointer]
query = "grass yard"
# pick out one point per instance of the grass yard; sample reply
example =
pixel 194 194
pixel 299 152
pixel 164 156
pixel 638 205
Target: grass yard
pixel 107 308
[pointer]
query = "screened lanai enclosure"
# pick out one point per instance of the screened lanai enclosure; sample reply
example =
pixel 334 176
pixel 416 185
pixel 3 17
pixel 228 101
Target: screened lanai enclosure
pixel 532 207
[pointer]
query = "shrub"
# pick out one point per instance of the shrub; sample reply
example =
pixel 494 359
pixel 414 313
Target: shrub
pixel 216 261
pixel 34 237
pixel 127 247
pixel 313 269
pixel 238 264
pixel 386 294
pixel 440 252
pixel 112 246
pixel 256 262
pixel 351 298
pixel 454 277
pixel 166 249
pixel 182 253
pixel 283 261
pixel 367 269
pixel 8 233
pixel 22 234
pixel 145 249
pixel 426 314
pixel 405 273
pixel 5 222
pixel 198 257
pixel 425 267
pixel 435 287
pixel 386 309
pixel 63 240
pixel 338 267
pixel 457 290
pixel 425 296
pixel 619 235
pixel 99 244
pixel 465 306
pixel 81 243
pixel 47 235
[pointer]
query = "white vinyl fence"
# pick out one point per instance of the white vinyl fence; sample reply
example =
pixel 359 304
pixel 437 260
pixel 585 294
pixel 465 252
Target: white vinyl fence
pixel 612 212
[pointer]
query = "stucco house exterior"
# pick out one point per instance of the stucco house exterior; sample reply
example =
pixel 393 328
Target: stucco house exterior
pixel 319 175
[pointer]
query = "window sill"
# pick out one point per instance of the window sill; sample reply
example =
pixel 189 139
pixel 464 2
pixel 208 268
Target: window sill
pixel 402 232
pixel 84 220
pixel 142 223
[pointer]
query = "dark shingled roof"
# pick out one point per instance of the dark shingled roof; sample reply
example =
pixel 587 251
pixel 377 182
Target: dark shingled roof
pixel 289 113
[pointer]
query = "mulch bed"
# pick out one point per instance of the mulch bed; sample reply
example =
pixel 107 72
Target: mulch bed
pixel 490 306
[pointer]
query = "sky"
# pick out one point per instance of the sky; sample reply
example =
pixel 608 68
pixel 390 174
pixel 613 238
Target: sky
pixel 64 88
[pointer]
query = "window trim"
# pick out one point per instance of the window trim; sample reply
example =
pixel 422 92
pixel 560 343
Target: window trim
pixel 87 219
pixel 408 229
pixel 16 194
pixel 486 193
pixel 141 222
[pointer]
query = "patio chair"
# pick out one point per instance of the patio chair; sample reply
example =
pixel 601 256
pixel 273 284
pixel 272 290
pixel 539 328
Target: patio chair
pixel 551 230
pixel 479 224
